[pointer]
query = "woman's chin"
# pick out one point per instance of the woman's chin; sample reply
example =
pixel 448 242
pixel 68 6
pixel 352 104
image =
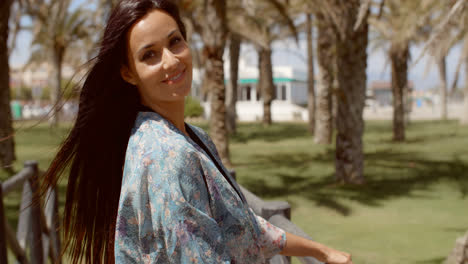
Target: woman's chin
pixel 181 92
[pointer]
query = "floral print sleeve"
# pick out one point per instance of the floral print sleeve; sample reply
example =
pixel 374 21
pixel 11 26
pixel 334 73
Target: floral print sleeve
pixel 272 239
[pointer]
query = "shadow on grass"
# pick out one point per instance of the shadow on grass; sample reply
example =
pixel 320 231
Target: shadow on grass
pixel 431 261
pixel 274 133
pixel 455 230
pixel 388 175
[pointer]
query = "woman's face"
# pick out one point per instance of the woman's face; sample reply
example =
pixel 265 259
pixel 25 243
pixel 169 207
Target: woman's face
pixel 159 59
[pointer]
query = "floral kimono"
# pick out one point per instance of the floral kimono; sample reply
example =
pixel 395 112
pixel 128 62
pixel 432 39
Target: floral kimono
pixel 179 205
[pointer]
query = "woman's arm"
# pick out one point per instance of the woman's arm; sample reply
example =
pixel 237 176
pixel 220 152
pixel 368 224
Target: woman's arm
pixel 301 247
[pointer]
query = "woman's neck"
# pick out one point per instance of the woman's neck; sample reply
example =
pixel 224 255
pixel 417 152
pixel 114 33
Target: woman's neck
pixel 172 111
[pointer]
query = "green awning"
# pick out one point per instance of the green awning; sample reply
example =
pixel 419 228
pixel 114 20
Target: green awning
pixel 275 80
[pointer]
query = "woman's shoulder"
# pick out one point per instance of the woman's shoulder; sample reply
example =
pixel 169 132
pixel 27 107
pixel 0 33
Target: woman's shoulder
pixel 150 129
pixel 150 123
pixel 154 135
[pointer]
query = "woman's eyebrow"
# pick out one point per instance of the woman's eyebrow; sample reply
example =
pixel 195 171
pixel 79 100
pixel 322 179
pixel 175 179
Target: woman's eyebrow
pixel 152 44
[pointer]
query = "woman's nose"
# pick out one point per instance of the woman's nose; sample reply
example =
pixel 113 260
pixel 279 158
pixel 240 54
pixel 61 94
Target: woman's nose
pixel 169 60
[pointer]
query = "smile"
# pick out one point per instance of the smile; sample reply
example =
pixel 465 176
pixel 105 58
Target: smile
pixel 175 78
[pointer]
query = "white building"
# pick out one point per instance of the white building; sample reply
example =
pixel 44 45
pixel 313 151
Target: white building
pixel 290 97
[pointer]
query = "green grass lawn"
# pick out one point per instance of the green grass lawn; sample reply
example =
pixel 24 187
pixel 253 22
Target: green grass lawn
pixel 411 210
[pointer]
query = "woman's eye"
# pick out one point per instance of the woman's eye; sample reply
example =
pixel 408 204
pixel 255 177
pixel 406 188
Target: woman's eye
pixel 175 40
pixel 147 55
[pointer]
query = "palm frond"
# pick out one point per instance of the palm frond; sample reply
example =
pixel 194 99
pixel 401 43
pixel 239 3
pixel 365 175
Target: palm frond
pixel 381 9
pixel 251 29
pixel 442 28
pixel 362 14
pixel 383 27
pixel 64 29
pixel 16 17
pixel 282 10
pixel 38 55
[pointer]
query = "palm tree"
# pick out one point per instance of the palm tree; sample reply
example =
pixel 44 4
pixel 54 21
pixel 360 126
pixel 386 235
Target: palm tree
pixel 320 102
pixel 303 7
pixel 209 19
pixel 7 145
pixel 399 55
pixel 325 62
pixel 460 21
pixel 56 28
pixel 442 67
pixel 255 23
pixel 351 62
pixel 349 21
pixel 231 92
pixel 400 23
pixel 265 81
pixel 310 74
pixel 440 54
pixel 214 34
pixel 453 16
pixel 464 119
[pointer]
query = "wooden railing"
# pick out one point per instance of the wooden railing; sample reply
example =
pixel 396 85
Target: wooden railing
pixel 37 223
pixel 279 214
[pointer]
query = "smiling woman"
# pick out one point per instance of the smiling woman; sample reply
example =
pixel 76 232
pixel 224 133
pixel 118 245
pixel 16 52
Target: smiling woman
pixel 144 186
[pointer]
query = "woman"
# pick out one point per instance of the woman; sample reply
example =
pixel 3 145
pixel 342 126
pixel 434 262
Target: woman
pixel 143 186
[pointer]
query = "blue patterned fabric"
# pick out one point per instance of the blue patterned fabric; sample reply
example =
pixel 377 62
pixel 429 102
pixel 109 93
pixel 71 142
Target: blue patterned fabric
pixel 176 207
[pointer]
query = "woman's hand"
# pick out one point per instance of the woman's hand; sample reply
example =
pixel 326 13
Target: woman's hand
pixel 333 256
pixel 300 247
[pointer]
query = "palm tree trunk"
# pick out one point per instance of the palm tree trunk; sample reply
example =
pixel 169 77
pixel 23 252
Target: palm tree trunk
pixel 351 75
pixel 266 83
pixel 310 75
pixel 441 65
pixel 7 144
pixel 56 94
pixel 334 93
pixel 464 118
pixel 325 62
pixel 231 93
pixel 214 35
pixel 399 56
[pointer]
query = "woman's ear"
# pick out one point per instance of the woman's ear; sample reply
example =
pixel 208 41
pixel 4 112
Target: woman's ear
pixel 127 75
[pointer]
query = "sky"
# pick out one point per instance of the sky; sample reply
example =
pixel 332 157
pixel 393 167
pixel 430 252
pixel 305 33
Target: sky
pixel 424 74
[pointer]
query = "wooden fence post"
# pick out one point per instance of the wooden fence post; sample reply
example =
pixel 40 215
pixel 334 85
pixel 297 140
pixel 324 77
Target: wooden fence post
pixel 3 245
pixel 51 211
pixel 271 208
pixel 19 252
pixel 23 230
pixel 36 230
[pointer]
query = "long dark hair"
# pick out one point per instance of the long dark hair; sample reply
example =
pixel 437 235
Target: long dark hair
pixel 94 151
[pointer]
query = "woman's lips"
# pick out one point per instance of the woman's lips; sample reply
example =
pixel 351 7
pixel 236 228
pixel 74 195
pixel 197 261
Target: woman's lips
pixel 175 78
